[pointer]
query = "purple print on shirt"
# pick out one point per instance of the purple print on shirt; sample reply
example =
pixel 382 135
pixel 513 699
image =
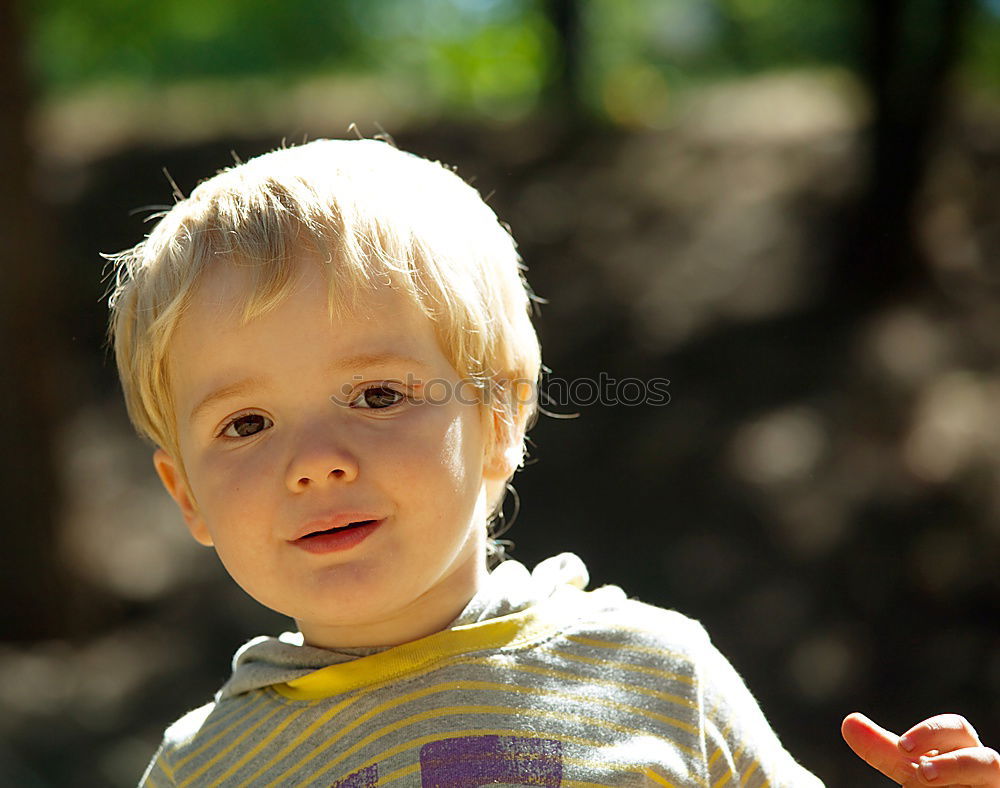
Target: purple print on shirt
pixel 473 761
pixel 366 778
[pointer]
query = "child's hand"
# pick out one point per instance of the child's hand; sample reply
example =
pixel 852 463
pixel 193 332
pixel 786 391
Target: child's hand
pixel 943 751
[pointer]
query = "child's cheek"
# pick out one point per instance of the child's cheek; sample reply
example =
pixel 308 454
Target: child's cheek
pixel 234 482
pixel 445 438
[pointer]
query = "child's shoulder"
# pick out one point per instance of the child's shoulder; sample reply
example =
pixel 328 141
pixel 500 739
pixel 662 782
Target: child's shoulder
pixel 605 616
pixel 184 730
pixel 610 617
pixel 177 739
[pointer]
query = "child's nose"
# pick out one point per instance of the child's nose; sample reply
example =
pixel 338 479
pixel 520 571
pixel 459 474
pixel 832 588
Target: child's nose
pixel 320 461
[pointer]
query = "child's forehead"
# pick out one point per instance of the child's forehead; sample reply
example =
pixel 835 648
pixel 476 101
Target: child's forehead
pixel 238 291
pixel 214 341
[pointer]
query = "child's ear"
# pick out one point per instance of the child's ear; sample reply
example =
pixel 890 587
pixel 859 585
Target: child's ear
pixel 173 479
pixel 507 450
pixel 502 462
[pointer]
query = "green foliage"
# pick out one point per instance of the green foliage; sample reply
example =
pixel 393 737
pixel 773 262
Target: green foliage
pixel 474 54
pixel 75 42
pixel 492 55
pixel 981 57
pixel 642 54
pixel 722 37
pixel 471 53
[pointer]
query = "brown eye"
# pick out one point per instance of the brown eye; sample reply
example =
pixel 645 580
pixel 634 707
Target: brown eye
pixel 245 426
pixel 378 397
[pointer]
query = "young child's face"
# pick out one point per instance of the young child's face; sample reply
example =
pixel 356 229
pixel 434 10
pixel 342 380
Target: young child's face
pixel 275 449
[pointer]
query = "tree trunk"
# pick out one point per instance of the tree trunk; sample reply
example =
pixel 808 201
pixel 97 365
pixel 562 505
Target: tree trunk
pixel 32 580
pixel 563 84
pixel 911 47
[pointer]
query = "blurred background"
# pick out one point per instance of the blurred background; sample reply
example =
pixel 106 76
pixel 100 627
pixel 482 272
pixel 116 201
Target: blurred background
pixel 789 209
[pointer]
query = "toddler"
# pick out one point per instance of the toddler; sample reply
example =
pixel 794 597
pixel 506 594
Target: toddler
pixel 330 346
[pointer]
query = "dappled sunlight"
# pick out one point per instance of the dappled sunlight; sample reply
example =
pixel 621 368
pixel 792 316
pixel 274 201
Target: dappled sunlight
pixel 956 423
pixel 730 243
pixel 123 533
pixel 780 448
pixel 822 665
pixel 101 120
pixel 795 455
pixel 694 203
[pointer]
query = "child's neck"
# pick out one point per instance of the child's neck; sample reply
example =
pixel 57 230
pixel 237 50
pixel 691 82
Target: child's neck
pixel 429 613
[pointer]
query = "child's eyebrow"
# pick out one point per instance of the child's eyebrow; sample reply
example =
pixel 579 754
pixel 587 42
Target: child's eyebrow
pixel 230 390
pixel 362 360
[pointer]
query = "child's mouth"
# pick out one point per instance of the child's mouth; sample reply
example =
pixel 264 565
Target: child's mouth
pixel 341 537
pixel 340 529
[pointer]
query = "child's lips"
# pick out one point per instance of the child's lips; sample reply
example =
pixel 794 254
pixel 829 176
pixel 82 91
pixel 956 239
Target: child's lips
pixel 338 538
pixel 345 521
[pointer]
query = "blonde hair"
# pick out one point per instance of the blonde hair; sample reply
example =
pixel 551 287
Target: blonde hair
pixel 375 216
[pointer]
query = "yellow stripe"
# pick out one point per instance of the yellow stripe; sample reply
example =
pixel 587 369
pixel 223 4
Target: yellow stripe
pixel 614 704
pixel 247 711
pixel 656 672
pixel 580 784
pixel 750 771
pixel 429 654
pixel 292 716
pixel 207 727
pixel 511 631
pixel 325 717
pixel 399 774
pixel 360 720
pixel 416 744
pixel 619 646
pixel 489 686
pixel 674 699
pixel 642 631
pixel 454 710
pixel 726 733
pixel 426 669
pixel 515 630
pixel 406 771
pixel 578 678
pixel 229 748
pixel 645 771
pixel 328 715
pixel 346 729
pixel 499 709
pixel 658 779
pixel 723 779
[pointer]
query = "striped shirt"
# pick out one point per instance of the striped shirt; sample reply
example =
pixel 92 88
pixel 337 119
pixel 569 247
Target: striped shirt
pixel 538 683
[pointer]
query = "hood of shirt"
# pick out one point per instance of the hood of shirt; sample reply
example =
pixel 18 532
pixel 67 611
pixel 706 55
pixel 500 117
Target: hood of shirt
pixel 509 588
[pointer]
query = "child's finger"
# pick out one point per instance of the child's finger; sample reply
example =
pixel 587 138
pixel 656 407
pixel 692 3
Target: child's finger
pixel 878 747
pixel 943 733
pixel 972 766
